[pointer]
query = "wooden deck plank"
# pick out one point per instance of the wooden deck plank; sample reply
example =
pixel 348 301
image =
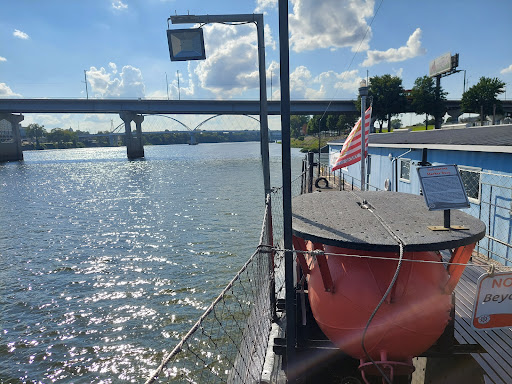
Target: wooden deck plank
pixel 497 363
pixel 493 369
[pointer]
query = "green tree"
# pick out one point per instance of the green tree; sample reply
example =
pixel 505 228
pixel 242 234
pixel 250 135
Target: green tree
pixel 346 122
pixel 483 95
pixel 388 97
pixel 396 124
pixel 424 100
pixel 315 123
pixel 296 124
pixel 35 131
pixel 62 136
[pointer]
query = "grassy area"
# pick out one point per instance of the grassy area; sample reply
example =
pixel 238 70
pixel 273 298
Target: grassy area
pixel 412 128
pixel 310 143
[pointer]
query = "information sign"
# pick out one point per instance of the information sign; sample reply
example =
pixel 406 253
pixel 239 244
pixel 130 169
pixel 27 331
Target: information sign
pixel 493 301
pixel 442 187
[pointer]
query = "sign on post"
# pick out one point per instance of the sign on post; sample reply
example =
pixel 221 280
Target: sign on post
pixel 440 65
pixel 493 301
pixel 442 187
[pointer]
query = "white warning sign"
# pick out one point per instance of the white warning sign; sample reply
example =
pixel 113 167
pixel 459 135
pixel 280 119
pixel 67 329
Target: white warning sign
pixel 493 301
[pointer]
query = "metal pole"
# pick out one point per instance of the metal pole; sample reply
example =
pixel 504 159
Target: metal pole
pixel 464 90
pixel 243 18
pixel 167 83
pixel 86 90
pixel 319 130
pixel 437 116
pixel 263 103
pixel 284 53
pixel 363 92
pixel 179 90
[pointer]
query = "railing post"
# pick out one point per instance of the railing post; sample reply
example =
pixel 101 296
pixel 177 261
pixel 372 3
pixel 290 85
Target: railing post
pixel 310 171
pixel 270 240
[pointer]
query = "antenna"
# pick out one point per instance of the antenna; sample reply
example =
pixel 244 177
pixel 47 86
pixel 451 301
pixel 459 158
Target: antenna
pixel 271 74
pixel 167 82
pixel 86 90
pixel 179 90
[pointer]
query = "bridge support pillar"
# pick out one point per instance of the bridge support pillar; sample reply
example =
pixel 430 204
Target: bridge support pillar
pixel 11 151
pixel 134 146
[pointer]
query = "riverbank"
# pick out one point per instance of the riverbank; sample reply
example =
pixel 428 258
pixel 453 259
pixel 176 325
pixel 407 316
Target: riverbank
pixel 310 143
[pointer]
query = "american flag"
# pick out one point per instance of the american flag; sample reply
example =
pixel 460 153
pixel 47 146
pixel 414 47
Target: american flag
pixel 351 151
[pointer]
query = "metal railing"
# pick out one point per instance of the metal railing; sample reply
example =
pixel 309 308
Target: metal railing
pixel 490 195
pixel 228 343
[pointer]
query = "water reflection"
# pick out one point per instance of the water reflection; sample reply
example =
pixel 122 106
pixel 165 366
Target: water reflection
pixel 107 262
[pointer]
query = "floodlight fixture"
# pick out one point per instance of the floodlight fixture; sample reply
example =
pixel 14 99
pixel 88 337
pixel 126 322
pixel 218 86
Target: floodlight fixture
pixel 186 44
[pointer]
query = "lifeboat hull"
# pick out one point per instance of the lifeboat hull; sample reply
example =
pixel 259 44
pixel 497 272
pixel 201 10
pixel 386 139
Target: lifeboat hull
pixel 409 321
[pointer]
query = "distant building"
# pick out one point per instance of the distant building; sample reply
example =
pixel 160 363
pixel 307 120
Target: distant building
pixel 484 158
pixel 5 131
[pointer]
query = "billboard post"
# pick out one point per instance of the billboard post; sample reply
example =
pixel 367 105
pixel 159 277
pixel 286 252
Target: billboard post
pixel 441 66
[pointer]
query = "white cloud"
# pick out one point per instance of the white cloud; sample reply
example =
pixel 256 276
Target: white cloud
pixel 119 5
pixel 326 85
pixel 262 5
pixel 6 91
pixel 506 70
pixel 113 66
pixel 269 40
pixel 128 83
pixel 84 122
pixel 412 49
pixel 330 24
pixel 231 65
pixel 21 35
pixel 2 58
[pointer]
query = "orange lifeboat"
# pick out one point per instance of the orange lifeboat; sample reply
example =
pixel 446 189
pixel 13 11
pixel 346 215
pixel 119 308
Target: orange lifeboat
pixel 372 301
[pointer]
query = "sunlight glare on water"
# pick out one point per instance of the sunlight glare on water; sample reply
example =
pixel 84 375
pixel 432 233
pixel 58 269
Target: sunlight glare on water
pixel 107 262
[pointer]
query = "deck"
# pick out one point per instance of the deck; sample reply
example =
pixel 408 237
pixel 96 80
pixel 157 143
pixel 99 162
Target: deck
pixel 497 362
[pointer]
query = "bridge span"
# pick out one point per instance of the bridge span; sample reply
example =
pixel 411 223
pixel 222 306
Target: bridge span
pixel 131 110
pixel 192 107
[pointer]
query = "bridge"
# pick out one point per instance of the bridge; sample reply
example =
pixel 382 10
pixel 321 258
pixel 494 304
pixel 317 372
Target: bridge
pixel 174 107
pixel 134 110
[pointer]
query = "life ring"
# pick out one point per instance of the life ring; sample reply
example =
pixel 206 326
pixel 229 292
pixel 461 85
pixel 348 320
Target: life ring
pixel 321 179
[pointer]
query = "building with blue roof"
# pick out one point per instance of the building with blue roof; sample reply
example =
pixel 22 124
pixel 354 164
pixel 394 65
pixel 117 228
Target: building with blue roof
pixel 482 154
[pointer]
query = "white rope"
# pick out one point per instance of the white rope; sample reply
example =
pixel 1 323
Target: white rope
pixel 504 268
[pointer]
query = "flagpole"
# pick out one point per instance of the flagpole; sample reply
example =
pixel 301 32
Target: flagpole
pixel 363 92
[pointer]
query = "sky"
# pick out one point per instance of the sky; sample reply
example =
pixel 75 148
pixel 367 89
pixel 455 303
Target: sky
pixel 45 47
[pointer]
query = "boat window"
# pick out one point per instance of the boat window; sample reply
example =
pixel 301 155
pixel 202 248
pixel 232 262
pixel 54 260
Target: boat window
pixel 405 170
pixel 471 180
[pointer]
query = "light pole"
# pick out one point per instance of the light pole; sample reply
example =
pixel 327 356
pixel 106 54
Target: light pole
pixel 258 20
pixel 363 92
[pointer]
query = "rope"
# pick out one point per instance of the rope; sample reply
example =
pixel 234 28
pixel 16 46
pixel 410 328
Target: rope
pixel 504 268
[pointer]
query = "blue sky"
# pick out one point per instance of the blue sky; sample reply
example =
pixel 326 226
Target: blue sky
pixel 45 46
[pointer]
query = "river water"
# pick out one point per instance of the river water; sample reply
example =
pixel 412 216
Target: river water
pixel 106 262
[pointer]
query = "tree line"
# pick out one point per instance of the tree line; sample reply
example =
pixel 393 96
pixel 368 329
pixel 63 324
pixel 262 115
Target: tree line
pixel 67 138
pixel 389 99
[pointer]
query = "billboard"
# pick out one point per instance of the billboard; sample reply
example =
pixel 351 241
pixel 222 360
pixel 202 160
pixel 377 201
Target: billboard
pixel 440 65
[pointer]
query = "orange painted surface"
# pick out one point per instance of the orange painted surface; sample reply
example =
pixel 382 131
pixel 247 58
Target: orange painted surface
pixel 407 323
